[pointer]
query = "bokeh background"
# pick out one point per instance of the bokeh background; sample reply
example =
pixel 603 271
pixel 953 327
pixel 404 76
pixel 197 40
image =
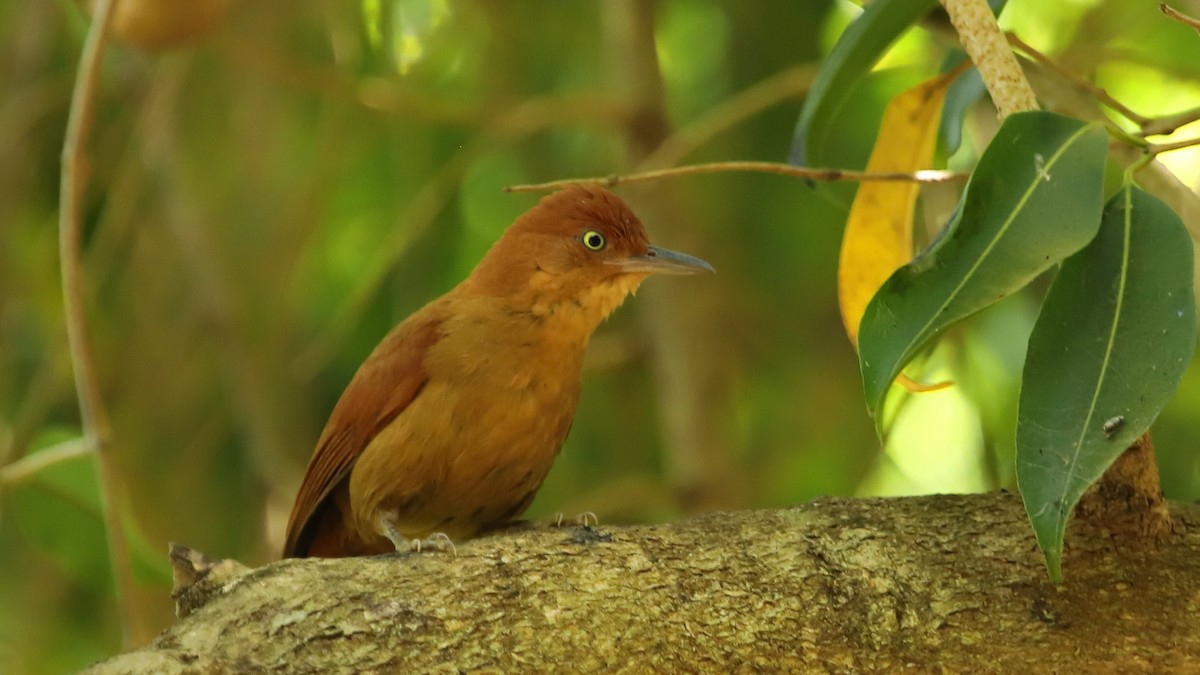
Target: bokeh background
pixel 267 198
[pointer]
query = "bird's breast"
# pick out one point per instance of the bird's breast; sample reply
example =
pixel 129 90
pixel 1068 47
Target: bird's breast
pixel 475 444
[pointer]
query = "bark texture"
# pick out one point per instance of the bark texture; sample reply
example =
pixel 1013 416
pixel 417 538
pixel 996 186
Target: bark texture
pixel 926 584
pixel 1128 497
pixel 985 43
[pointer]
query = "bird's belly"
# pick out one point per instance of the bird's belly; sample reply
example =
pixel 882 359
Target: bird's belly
pixel 459 459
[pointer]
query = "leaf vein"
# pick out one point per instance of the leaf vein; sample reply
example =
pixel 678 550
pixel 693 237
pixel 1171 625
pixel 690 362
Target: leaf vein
pixel 1021 203
pixel 1112 336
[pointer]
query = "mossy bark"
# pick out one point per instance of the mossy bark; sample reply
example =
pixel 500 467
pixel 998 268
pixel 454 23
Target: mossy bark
pixel 924 584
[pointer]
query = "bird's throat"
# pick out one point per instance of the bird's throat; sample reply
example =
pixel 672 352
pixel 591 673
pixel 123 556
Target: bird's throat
pixel 572 315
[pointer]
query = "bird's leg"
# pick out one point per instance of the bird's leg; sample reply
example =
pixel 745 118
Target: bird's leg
pixel 438 541
pixel 387 527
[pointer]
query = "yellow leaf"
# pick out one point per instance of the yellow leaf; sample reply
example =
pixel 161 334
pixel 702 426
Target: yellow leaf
pixel 878 237
pixel 917 388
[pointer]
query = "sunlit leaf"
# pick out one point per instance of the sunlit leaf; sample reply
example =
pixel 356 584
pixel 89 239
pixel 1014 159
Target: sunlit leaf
pixel 855 53
pixel 878 236
pixel 1115 334
pixel 1034 199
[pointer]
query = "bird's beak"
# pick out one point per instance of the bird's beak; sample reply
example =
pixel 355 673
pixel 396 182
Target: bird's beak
pixel 662 261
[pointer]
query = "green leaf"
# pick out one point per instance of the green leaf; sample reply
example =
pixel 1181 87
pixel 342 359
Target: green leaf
pixel 963 93
pixel 856 51
pixel 1034 199
pixel 1107 353
pixel 58 513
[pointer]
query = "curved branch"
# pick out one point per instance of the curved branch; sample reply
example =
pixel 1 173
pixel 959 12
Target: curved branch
pixel 949 583
pixel 96 426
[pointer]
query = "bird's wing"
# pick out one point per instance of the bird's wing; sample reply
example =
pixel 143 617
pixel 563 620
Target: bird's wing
pixel 386 383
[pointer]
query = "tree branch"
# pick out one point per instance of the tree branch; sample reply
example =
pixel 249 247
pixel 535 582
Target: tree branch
pixel 949 583
pixel 984 42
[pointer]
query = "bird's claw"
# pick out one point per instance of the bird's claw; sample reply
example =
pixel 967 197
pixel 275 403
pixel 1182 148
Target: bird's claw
pixel 585 519
pixel 438 541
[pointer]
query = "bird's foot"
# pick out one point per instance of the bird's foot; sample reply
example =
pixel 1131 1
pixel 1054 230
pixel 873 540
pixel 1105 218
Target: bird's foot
pixel 438 541
pixel 585 528
pixel 585 519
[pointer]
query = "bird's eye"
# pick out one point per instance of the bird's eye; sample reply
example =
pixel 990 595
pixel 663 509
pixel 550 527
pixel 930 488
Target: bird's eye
pixel 593 240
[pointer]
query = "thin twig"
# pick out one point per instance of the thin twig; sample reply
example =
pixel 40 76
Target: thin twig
pixel 1099 92
pixel 823 175
pixel 29 465
pixel 1179 16
pixel 1159 148
pixel 1168 124
pixel 1150 126
pixel 91 407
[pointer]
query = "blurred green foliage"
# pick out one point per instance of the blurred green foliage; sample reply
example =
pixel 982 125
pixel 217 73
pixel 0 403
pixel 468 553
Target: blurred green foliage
pixel 264 205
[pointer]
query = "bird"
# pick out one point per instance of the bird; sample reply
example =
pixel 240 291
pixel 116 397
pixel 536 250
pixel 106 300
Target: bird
pixel 450 425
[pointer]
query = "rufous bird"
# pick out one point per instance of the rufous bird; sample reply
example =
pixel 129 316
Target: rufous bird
pixel 449 427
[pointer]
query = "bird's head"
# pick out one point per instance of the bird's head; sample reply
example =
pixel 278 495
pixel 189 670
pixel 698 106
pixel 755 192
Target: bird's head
pixel 582 247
